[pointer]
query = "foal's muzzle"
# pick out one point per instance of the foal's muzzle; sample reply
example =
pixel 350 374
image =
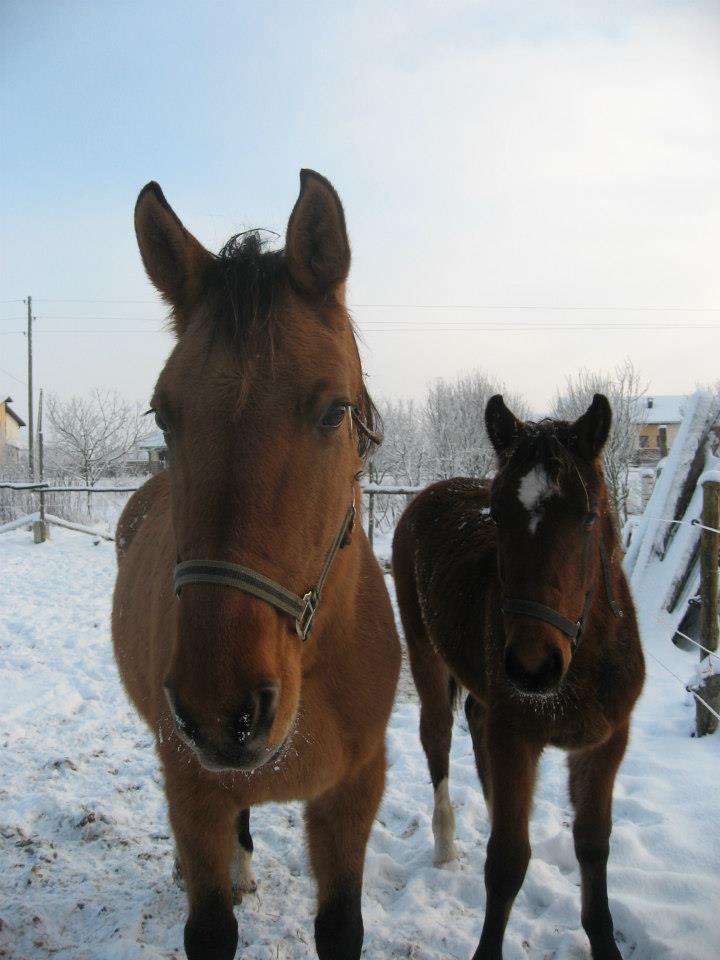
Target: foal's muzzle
pixel 542 679
pixel 240 741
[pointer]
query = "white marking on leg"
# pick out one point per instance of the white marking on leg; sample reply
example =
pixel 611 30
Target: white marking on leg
pixel 243 879
pixel 443 824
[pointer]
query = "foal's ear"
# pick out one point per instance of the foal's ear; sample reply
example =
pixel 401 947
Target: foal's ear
pixel 590 431
pixel 175 261
pixel 317 250
pixel 503 427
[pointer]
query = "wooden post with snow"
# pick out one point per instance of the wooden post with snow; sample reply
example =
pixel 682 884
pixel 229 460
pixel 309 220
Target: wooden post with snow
pixel 709 690
pixel 371 509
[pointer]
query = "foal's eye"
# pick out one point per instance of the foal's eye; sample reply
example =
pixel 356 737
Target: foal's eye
pixel 590 518
pixel 333 416
pixel 161 424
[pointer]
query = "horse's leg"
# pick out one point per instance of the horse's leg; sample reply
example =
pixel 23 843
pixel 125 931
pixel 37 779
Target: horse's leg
pixel 475 713
pixel 243 879
pixel 432 681
pixel 338 826
pixel 512 762
pixel 205 824
pixel 592 776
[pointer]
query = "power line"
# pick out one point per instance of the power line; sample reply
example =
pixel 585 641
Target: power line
pixel 566 308
pixel 549 308
pixel 12 376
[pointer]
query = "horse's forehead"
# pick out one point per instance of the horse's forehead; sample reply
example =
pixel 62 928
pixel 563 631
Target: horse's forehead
pixel 534 489
pixel 535 486
pixel 202 365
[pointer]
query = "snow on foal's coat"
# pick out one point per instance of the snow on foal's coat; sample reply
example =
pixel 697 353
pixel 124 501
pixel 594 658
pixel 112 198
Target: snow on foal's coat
pixel 503 590
pixel 256 400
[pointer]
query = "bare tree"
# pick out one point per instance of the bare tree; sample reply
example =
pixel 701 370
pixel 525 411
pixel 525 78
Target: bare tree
pixel 454 424
pixel 402 458
pixel 623 388
pixel 92 434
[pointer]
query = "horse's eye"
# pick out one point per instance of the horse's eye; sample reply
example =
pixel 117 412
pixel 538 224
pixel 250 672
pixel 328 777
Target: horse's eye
pixel 161 423
pixel 590 518
pixel 333 416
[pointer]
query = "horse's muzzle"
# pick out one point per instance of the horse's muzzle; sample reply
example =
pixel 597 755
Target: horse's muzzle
pixel 539 678
pixel 238 741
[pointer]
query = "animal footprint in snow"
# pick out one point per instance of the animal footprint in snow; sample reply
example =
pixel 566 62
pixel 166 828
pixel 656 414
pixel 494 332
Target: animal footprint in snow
pixel 410 829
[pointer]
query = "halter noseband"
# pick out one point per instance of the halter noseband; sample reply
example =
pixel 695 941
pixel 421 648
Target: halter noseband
pixel 302 609
pixel 571 628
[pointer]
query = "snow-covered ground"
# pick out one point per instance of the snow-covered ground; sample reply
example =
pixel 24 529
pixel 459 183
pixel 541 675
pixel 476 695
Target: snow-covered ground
pixel 85 855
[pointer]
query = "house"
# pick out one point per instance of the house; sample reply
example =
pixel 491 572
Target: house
pixel 658 421
pixel 156 448
pixel 12 445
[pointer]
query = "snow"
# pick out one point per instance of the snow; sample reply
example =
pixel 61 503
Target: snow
pixel 667 408
pixel 86 855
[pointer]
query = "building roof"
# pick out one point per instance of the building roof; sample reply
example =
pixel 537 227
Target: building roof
pixel 155 441
pixel 11 412
pixel 661 408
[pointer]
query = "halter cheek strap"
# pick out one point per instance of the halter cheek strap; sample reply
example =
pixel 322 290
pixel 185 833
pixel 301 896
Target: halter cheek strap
pixel 301 609
pixel 571 628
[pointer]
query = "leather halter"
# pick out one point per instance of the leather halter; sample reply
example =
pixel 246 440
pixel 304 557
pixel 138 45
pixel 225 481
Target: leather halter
pixel 571 628
pixel 302 609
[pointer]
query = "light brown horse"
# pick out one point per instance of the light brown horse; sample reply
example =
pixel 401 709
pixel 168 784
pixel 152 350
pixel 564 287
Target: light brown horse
pixel 514 591
pixel 267 670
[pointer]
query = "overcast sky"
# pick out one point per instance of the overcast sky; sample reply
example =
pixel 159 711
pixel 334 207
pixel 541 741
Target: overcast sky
pixel 529 157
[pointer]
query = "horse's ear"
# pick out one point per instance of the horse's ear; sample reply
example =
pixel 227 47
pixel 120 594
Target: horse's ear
pixel 503 427
pixel 175 261
pixel 588 434
pixel 317 250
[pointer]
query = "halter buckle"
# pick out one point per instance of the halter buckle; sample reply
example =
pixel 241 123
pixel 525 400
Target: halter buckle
pixel 303 624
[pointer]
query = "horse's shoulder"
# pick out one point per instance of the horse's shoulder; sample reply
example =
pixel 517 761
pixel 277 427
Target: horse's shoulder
pixel 144 501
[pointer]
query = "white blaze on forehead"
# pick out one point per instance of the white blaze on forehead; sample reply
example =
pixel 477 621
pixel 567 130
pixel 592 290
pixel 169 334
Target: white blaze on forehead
pixel 536 487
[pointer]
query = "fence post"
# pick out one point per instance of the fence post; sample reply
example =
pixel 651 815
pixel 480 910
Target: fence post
pixel 371 508
pixel 709 690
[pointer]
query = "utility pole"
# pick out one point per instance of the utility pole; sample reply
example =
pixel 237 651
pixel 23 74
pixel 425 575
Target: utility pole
pixel 31 436
pixel 41 529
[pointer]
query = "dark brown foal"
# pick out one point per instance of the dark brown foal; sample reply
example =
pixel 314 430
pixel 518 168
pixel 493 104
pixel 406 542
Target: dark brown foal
pixel 514 591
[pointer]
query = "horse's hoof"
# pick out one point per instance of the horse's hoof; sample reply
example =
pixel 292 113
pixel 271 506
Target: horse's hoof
pixel 445 852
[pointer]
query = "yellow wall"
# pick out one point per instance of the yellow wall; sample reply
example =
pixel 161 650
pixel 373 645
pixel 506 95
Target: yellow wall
pixel 9 433
pixel 650 430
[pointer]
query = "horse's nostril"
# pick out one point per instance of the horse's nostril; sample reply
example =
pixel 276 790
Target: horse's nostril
pixel 256 714
pixel 182 718
pixel 544 678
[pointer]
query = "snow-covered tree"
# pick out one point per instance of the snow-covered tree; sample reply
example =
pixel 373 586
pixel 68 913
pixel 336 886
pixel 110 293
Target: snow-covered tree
pixel 454 424
pixel 623 387
pixel 91 435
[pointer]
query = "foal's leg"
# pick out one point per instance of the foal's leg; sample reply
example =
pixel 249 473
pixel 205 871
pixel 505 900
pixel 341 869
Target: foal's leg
pixel 475 713
pixel 338 826
pixel 592 776
pixel 205 824
pixel 241 873
pixel 512 762
pixel 432 680
pixel 243 879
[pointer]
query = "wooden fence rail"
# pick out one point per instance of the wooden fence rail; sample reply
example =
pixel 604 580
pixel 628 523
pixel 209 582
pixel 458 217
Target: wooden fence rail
pixel 370 490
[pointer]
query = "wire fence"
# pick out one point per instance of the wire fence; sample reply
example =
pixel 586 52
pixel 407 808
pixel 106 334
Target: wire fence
pixel 378 497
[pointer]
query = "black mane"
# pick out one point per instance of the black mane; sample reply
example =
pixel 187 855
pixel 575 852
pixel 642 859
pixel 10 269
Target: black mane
pixel 247 277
